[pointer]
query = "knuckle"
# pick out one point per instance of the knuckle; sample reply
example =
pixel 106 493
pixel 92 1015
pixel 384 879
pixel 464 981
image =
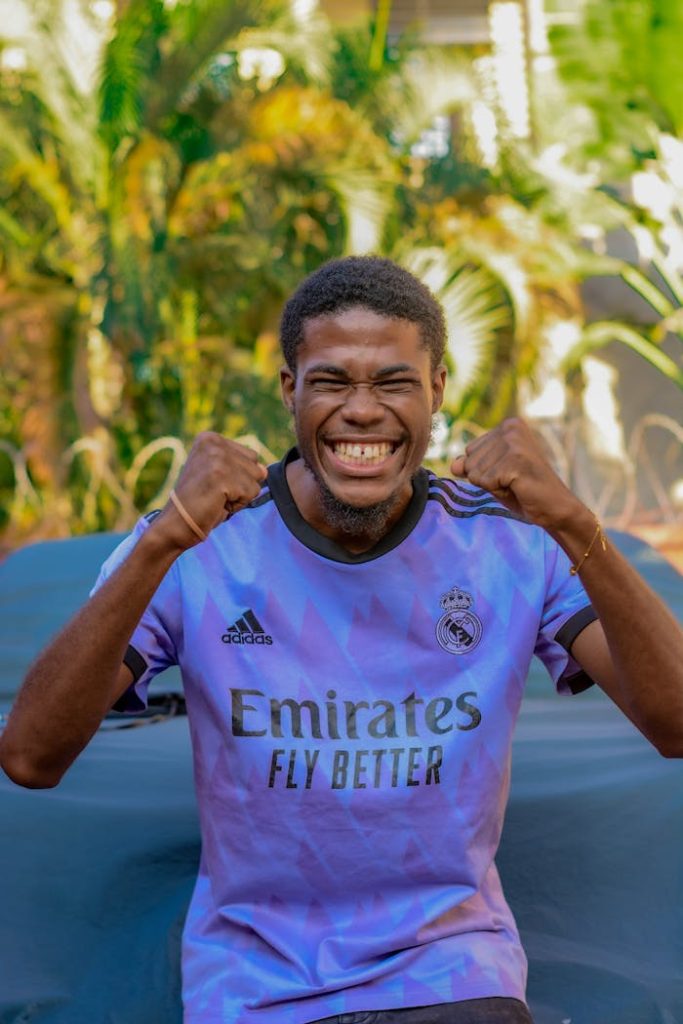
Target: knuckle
pixel 207 441
pixel 515 425
pixel 214 475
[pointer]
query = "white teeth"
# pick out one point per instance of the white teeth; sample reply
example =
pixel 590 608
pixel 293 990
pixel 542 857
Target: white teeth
pixel 362 454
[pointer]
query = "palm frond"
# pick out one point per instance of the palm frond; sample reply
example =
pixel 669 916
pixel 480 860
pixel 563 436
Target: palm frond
pixel 216 30
pixel 365 201
pixel 61 75
pixel 128 66
pixel 510 271
pixel 13 230
pixel 601 333
pixel 473 308
pixel 636 46
pixel 305 45
pixel 41 175
pixel 640 283
pixel 433 82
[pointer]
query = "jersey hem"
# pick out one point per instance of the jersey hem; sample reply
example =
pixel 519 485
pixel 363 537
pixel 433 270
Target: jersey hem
pixel 579 682
pixel 135 662
pixel 575 624
pixel 317 1009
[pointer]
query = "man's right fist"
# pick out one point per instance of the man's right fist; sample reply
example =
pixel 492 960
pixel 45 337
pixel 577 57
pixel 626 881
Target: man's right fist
pixel 219 478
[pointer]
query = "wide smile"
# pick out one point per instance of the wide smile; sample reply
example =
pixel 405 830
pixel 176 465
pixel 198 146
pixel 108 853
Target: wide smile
pixel 356 457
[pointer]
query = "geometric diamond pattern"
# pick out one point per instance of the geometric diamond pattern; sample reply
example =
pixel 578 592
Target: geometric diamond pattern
pixel 352 775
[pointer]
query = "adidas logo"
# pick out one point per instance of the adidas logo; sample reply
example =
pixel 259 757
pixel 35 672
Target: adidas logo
pixel 246 630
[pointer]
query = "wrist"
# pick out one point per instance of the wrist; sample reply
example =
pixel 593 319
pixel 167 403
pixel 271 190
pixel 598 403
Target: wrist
pixel 579 535
pixel 563 514
pixel 167 536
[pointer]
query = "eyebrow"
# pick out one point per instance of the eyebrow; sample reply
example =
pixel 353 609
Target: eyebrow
pixel 337 371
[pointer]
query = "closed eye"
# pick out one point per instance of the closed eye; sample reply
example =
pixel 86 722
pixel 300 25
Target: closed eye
pixel 390 385
pixel 397 385
pixel 328 384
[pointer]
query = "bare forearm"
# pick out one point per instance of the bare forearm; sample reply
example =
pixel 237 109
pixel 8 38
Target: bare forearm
pixel 77 678
pixel 644 639
pixel 635 652
pixel 80 675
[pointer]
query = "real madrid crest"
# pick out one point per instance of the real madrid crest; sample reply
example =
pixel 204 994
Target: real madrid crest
pixel 459 629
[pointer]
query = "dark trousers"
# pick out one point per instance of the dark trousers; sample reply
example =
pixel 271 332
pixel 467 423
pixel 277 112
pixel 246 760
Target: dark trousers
pixel 494 1010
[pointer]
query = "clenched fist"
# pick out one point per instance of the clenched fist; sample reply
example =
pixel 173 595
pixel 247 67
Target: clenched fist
pixel 510 463
pixel 219 478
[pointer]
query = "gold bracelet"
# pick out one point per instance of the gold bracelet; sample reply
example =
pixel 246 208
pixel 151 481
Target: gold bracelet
pixel 186 516
pixel 603 541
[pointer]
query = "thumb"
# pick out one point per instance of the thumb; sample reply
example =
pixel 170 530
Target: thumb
pixel 458 466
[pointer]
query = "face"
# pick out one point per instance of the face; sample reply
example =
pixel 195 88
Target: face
pixel 362 397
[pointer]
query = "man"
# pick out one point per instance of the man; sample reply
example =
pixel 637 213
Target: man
pixel 354 640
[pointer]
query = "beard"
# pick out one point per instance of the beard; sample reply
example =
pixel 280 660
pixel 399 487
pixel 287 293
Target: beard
pixel 370 522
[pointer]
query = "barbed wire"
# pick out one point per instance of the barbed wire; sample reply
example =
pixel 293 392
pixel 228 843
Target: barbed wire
pixel 610 487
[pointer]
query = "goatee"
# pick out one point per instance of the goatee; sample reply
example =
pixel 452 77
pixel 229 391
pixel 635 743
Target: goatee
pixel 370 522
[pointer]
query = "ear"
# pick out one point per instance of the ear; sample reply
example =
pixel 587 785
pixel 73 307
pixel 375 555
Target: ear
pixel 438 387
pixel 287 387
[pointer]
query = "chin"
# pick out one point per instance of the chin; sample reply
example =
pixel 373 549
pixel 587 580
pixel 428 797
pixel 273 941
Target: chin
pixel 370 520
pixel 361 497
pixel 365 486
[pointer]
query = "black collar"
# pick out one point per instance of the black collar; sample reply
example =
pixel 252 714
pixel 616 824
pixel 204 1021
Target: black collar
pixel 303 531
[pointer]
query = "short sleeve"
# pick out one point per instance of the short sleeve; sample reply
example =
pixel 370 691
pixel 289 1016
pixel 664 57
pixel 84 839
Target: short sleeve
pixel 152 646
pixel 566 612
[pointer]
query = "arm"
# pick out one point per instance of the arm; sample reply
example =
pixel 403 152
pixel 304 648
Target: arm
pixel 635 651
pixel 80 674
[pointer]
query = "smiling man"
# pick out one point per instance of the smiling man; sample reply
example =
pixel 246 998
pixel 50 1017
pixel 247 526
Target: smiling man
pixel 354 635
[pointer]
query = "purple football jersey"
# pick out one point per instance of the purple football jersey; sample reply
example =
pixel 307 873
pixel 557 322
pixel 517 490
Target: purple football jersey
pixel 351 720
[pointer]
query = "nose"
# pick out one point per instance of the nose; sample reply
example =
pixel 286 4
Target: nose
pixel 361 405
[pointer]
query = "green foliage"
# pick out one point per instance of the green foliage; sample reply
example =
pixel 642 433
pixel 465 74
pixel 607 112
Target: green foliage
pixel 130 62
pixel 153 221
pixel 621 59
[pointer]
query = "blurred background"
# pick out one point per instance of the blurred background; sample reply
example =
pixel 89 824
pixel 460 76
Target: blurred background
pixel 170 171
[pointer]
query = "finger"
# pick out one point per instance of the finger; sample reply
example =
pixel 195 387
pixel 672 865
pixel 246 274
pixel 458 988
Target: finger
pixel 480 442
pixel 458 466
pixel 478 464
pixel 496 476
pixel 252 460
pixel 466 465
pixel 248 453
pixel 238 475
pixel 231 507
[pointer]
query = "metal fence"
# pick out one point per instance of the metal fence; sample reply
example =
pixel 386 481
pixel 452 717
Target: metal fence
pixel 637 488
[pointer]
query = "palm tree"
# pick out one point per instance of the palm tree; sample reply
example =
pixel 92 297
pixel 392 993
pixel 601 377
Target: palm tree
pixel 228 149
pixel 626 157
pixel 167 211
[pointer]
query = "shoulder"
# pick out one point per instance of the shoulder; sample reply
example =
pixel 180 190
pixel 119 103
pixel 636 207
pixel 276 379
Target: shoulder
pixel 475 523
pixel 462 500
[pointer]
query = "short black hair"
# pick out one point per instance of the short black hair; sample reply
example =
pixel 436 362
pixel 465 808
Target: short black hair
pixel 371 282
